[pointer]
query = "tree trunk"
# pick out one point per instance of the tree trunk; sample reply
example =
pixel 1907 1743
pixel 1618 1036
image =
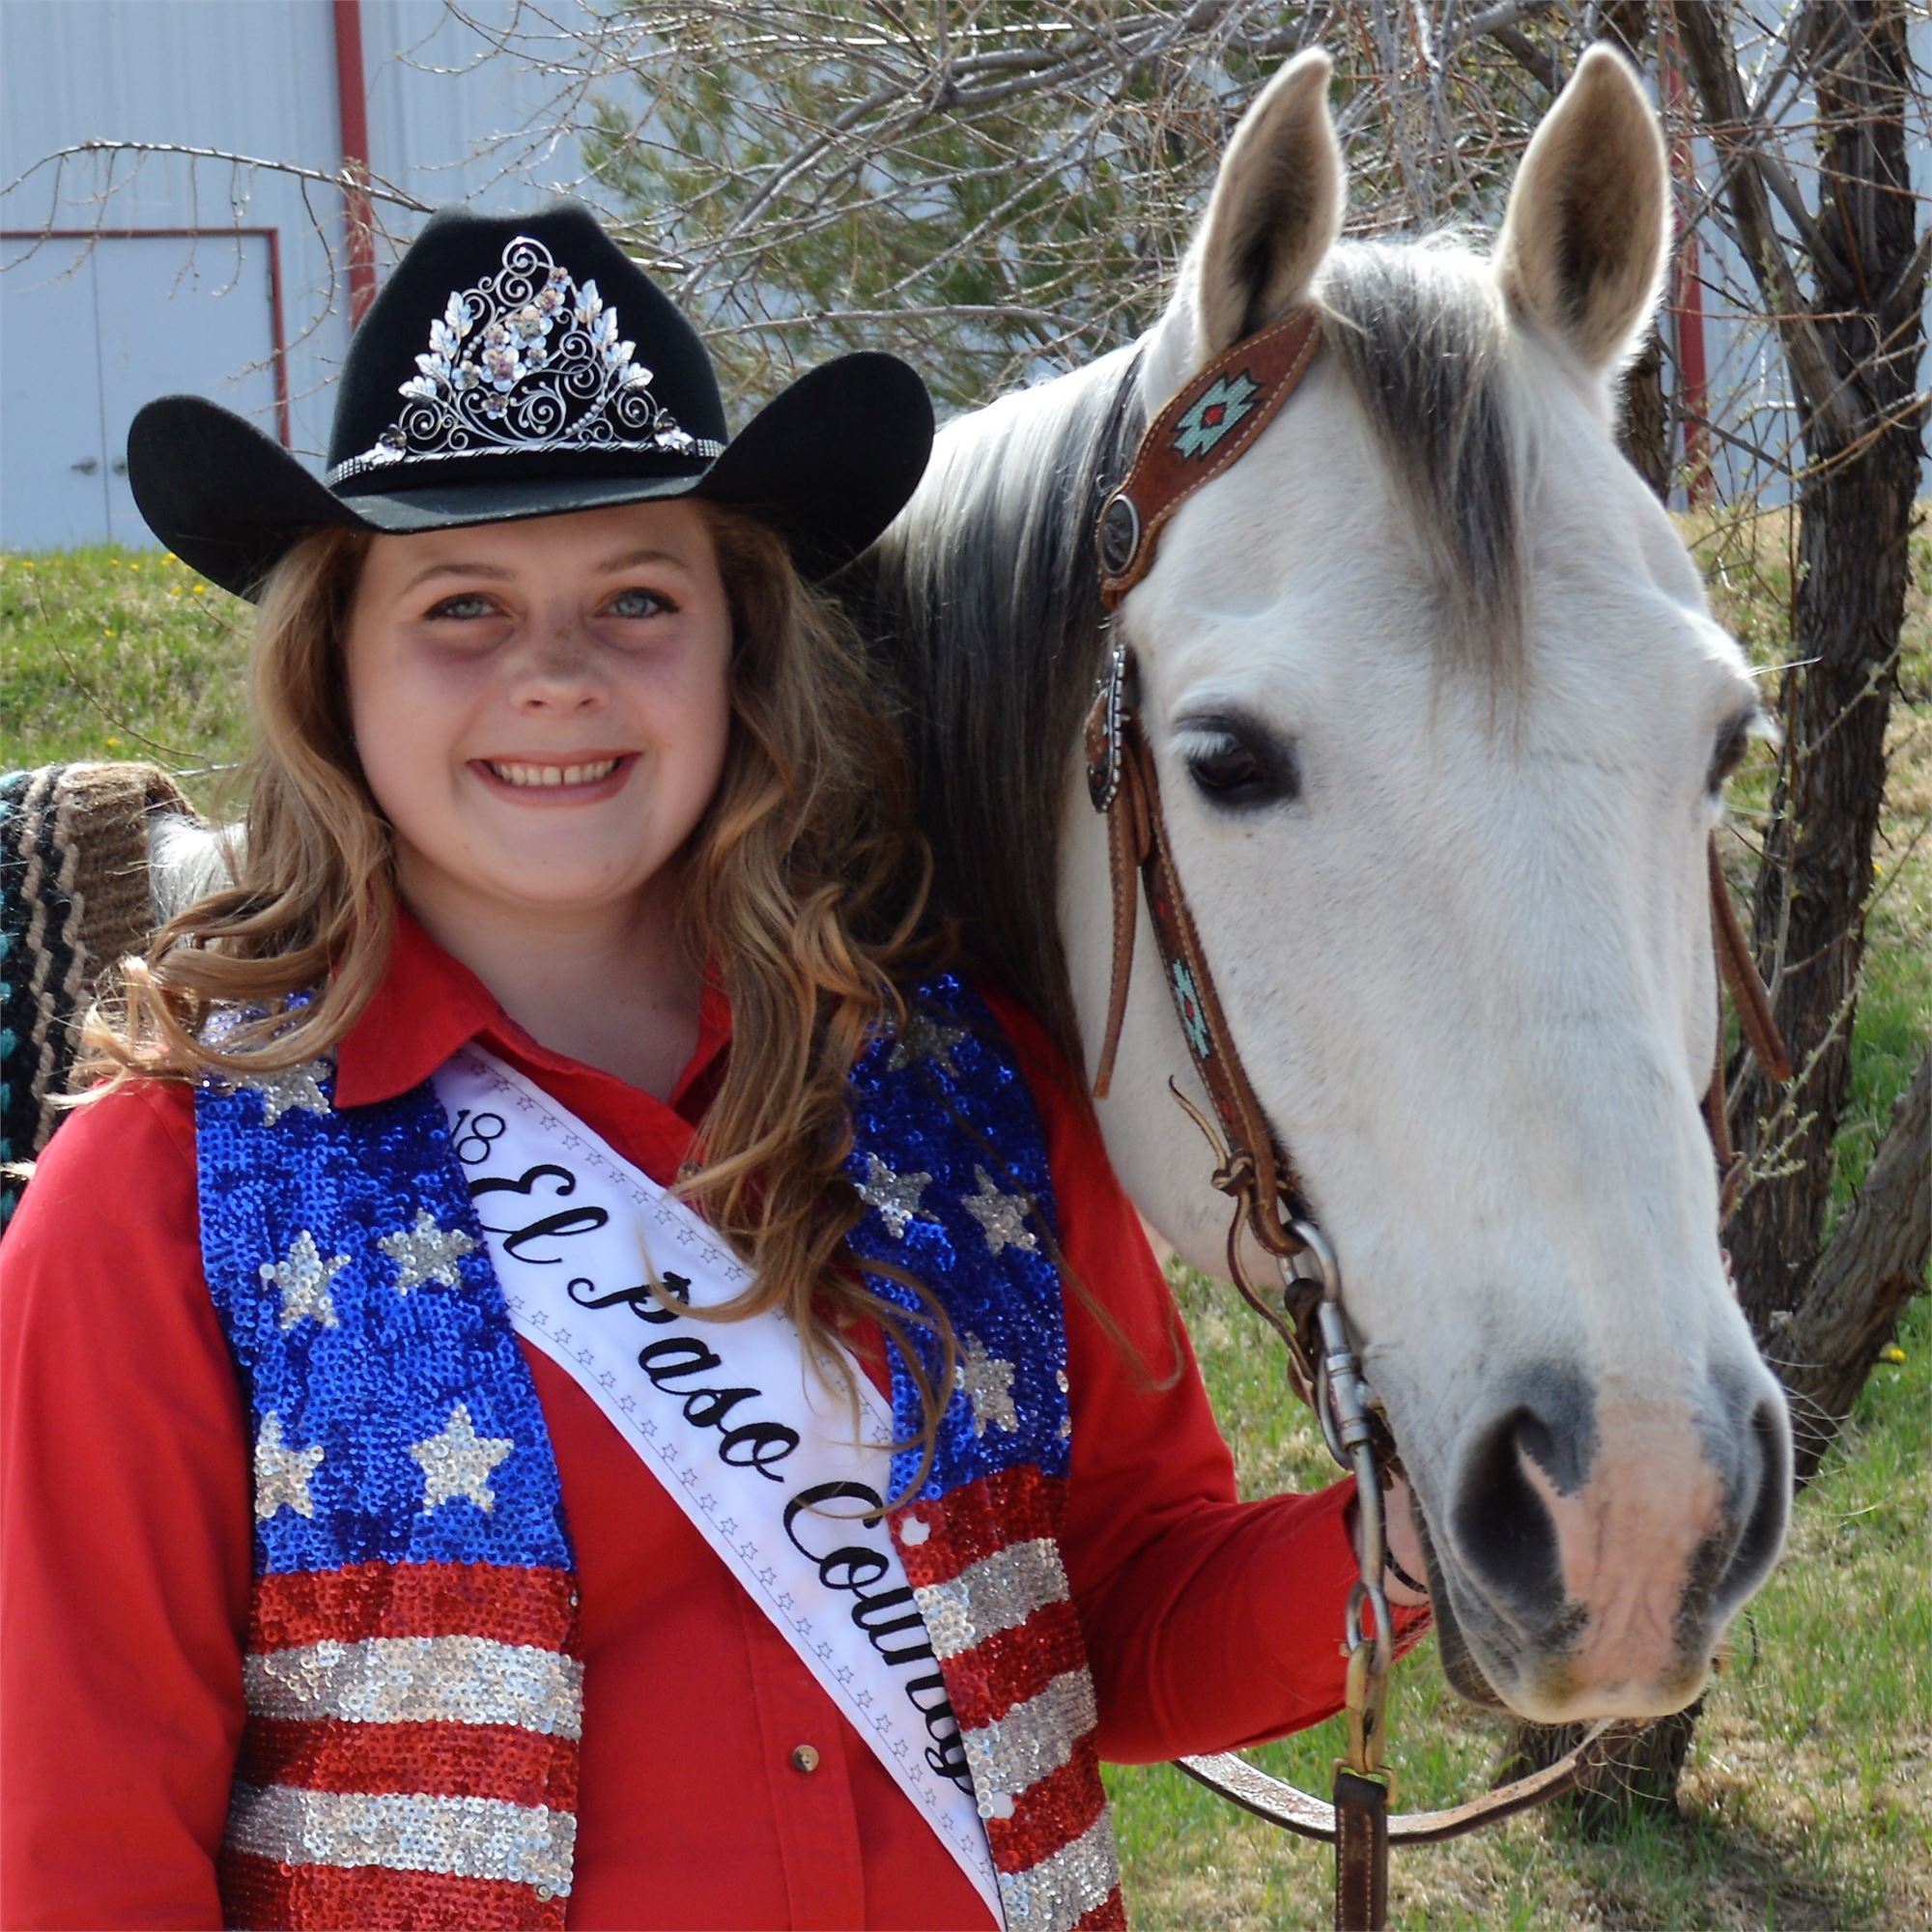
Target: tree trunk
pixel 1856 511
pixel 1874 1265
pixel 1638 1772
pixel 1643 431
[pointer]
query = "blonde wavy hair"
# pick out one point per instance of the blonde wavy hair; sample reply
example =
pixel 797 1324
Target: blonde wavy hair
pixel 805 887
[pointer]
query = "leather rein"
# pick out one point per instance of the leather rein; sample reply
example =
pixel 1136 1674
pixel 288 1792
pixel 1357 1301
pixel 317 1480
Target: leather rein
pixel 1203 430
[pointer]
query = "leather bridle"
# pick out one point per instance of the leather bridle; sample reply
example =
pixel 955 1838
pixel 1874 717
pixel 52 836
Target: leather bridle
pixel 1200 433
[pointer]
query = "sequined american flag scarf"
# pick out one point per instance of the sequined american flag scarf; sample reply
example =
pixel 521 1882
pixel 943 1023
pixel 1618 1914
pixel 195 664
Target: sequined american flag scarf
pixel 950 1156
pixel 414 1695
pixel 413 1691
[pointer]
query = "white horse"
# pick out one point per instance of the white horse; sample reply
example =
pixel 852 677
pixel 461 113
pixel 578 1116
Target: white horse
pixel 1442 721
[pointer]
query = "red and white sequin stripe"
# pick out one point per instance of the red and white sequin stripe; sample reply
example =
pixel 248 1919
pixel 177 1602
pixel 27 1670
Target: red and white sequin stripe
pixel 410 1751
pixel 986 1567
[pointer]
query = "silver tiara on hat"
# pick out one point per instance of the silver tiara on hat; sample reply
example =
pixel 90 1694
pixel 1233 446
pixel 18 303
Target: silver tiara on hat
pixel 528 359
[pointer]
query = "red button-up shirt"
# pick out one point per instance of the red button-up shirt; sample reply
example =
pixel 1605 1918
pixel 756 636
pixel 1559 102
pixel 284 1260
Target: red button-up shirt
pixel 126 1536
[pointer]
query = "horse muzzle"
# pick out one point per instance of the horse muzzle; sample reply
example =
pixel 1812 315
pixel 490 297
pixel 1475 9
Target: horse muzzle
pixel 1591 1548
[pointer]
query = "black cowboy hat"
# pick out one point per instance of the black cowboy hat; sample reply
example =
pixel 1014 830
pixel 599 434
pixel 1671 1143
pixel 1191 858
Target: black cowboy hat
pixel 528 368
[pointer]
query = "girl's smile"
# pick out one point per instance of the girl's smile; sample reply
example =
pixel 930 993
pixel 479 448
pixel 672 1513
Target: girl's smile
pixel 532 779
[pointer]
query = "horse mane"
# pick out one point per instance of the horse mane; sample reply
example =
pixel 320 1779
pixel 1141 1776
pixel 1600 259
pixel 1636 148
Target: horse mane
pixel 982 608
pixel 981 604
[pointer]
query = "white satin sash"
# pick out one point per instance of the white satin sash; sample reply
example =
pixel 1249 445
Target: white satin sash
pixel 749 1445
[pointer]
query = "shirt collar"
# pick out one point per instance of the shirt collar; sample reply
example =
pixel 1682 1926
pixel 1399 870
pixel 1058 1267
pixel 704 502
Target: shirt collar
pixel 429 1004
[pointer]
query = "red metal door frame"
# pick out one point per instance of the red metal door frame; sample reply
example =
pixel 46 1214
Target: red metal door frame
pixel 352 100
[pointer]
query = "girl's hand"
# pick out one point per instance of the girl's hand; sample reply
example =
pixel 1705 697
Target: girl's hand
pixel 1404 1546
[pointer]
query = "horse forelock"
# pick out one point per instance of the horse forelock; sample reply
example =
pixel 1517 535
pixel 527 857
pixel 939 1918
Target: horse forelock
pixel 1420 330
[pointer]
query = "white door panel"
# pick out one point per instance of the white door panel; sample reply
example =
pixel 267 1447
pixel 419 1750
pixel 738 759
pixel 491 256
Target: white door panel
pixel 140 316
pixel 53 453
pixel 180 317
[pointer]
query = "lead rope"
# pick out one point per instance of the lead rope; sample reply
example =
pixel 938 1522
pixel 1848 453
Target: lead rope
pixel 1198 433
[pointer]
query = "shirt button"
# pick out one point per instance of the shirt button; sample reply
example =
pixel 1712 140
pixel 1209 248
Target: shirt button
pixel 805 1757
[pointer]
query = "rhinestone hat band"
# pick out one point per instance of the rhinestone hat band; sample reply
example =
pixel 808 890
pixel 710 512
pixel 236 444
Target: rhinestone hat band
pixel 529 359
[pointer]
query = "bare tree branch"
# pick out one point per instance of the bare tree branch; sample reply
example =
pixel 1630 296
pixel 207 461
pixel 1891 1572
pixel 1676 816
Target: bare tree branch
pixel 342 178
pixel 1742 141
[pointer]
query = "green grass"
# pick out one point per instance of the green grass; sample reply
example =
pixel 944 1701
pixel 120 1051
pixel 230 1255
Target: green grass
pixel 1808 1800
pixel 121 654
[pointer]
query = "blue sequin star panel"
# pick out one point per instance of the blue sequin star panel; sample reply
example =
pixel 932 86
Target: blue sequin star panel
pixel 410 1385
pixel 950 1156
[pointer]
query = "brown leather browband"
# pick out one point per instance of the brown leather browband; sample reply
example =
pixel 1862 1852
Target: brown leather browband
pixel 1204 429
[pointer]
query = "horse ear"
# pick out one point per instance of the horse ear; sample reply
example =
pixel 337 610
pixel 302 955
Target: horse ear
pixel 1582 247
pixel 1277 208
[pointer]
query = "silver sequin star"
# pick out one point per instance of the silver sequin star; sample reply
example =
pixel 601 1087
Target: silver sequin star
pixel 925 1038
pixel 894 1195
pixel 988 1382
pixel 293 1089
pixel 457 1463
pixel 1002 1217
pixel 303 1279
pixel 426 1252
pixel 283 1473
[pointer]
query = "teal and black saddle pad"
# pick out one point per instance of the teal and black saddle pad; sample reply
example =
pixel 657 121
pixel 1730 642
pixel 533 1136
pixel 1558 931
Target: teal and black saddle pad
pixel 74 901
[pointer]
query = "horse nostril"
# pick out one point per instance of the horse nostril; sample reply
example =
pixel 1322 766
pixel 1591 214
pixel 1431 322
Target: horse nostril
pixel 1502 1528
pixel 1764 1502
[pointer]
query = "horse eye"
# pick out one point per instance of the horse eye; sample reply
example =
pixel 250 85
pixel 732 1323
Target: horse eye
pixel 1733 741
pixel 1234 769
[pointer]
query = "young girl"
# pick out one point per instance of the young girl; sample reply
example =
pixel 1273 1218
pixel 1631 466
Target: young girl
pixel 575 1375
